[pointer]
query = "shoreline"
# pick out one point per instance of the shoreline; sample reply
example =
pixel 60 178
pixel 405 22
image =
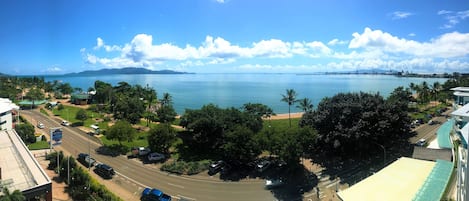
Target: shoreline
pixel 285 116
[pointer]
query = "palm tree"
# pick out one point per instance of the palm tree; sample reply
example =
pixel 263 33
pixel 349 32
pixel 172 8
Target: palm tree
pixel 305 105
pixel 166 100
pixel 15 196
pixel 289 98
pixel 435 90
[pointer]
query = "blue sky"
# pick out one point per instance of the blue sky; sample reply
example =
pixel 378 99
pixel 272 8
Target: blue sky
pixel 234 36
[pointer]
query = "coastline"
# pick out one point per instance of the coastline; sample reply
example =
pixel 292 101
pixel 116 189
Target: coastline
pixel 285 116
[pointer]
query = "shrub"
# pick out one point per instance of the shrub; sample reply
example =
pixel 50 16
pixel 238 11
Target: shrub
pixel 60 107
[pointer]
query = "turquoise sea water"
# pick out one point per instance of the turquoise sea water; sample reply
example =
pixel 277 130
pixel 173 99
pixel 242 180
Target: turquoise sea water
pixel 226 90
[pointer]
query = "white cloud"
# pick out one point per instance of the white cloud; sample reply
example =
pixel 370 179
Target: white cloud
pixel 448 45
pixel 53 69
pixel 336 41
pixel 400 15
pixel 412 34
pixel 453 18
pixel 369 49
pixel 220 1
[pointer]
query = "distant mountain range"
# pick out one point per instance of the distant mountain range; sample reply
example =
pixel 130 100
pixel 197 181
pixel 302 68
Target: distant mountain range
pixel 128 70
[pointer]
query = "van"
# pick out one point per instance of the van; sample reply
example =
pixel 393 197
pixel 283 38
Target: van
pixel 104 171
pixel 64 123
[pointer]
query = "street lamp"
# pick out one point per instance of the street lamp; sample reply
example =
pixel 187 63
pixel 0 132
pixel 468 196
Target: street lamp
pixel 384 152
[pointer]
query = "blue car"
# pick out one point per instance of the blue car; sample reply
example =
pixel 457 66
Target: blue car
pixel 154 194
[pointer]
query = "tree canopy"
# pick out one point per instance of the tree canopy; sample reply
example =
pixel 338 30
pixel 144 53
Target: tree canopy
pixel 350 123
pixel 160 137
pixel 121 131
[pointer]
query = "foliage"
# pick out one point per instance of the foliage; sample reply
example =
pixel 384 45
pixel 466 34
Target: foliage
pixel 39 145
pixel 258 109
pixel 305 105
pixel 103 92
pixel 161 137
pixel 65 88
pixel 16 195
pixel 166 114
pixel 350 123
pixel 35 94
pixel 240 145
pixel 181 167
pixel 290 99
pixel 129 108
pixel 210 124
pixel 81 115
pixel 121 131
pixel 26 132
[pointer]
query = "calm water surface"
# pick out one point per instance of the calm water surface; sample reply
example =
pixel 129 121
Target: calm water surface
pixel 225 90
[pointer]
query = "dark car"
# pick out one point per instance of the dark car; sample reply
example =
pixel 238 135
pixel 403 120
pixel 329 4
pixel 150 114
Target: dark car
pixel 216 167
pixel 153 194
pixel 263 165
pixel 104 150
pixel 86 160
pixel 104 171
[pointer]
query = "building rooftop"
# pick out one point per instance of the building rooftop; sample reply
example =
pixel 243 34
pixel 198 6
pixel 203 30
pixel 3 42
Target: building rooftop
pixel 400 180
pixel 19 168
pixel 7 105
pixel 463 89
pixel 463 113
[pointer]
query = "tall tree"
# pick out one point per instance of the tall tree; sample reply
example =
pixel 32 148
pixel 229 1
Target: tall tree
pixel 35 94
pixel 26 132
pixel 160 137
pixel 240 145
pixel 81 115
pixel 166 100
pixel 121 131
pixel 290 98
pixel 305 105
pixel 166 114
pixel 12 196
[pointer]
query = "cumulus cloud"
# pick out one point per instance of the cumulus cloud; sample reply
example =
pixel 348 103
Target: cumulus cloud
pixel 368 49
pixel 453 18
pixel 397 15
pixel 53 69
pixel 448 45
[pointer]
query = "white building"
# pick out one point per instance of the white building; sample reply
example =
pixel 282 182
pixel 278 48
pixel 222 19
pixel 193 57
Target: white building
pixel 6 117
pixel 461 127
pixel 461 96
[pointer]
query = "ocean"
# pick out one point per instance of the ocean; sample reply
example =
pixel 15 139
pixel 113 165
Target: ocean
pixel 192 91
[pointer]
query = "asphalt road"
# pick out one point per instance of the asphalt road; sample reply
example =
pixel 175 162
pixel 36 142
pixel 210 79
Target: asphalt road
pixel 141 175
pixel 428 132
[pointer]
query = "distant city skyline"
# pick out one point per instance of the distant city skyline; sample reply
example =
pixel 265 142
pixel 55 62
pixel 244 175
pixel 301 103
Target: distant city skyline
pixel 234 36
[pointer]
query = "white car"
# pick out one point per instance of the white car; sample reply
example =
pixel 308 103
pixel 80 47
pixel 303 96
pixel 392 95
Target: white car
pixel 273 183
pixel 155 156
pixel 421 142
pixel 65 123
pixel 40 125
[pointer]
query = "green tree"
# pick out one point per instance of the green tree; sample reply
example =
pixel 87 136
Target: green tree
pixel 160 137
pixel 11 196
pixel 81 115
pixel 128 108
pixel 293 143
pixel 35 94
pixel 290 98
pixel 121 131
pixel 103 92
pixel 166 114
pixel 240 145
pixel 166 100
pixel 258 109
pixel 65 88
pixel 305 105
pixel 26 132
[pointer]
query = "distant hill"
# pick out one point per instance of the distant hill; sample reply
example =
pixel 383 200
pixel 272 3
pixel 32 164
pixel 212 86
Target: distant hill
pixel 128 70
pixel 368 71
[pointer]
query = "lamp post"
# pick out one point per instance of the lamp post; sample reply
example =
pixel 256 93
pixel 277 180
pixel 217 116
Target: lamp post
pixel 384 152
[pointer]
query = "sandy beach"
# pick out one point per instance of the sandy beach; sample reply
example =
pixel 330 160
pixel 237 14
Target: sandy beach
pixel 285 116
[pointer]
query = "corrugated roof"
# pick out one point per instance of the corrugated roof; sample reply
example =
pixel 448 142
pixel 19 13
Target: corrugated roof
pixel 436 182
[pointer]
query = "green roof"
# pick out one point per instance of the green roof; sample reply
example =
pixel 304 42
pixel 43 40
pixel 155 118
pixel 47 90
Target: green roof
pixel 435 184
pixel 80 96
pixel 444 140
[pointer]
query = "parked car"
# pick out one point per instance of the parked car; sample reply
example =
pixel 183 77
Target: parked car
pixel 153 194
pixel 40 125
pixel 263 165
pixel 421 142
pixel 104 150
pixel 155 157
pixel 104 171
pixel 140 151
pixel 65 123
pixel 86 160
pixel 273 183
pixel 215 167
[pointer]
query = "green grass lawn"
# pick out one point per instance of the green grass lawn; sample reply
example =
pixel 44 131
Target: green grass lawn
pixel 139 141
pixel 39 145
pixel 281 124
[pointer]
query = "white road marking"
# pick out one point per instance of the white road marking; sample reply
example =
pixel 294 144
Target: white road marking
pixel 175 185
pixel 187 198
